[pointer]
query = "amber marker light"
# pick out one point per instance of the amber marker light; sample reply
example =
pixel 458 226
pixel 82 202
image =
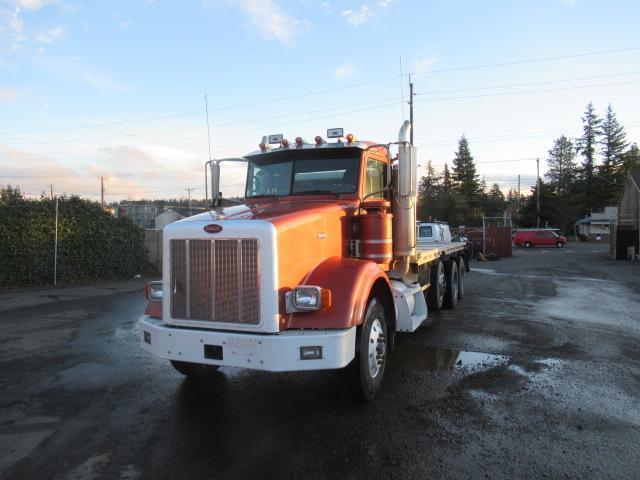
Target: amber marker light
pixel 285 143
pixel 350 138
pixel 299 141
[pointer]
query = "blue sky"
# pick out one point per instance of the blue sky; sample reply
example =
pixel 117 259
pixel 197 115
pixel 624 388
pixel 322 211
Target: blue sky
pixel 117 88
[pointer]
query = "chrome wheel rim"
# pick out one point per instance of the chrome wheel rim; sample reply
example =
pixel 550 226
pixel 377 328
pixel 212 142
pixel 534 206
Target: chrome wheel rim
pixel 441 281
pixel 377 348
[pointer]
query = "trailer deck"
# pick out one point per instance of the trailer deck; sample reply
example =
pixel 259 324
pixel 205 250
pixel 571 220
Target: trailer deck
pixel 427 253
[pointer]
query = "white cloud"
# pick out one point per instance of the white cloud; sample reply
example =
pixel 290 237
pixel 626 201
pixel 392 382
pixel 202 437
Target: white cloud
pixel 357 18
pixel 124 24
pixel 33 4
pixel 344 71
pixel 51 35
pixel 423 65
pixel 12 28
pixel 326 7
pixel 569 3
pixel 386 3
pixel 267 17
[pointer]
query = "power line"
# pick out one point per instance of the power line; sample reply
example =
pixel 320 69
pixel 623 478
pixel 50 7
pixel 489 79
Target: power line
pixel 542 82
pixel 526 92
pixel 333 89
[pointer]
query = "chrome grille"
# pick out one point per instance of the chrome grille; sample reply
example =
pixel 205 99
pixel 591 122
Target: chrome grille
pixel 215 280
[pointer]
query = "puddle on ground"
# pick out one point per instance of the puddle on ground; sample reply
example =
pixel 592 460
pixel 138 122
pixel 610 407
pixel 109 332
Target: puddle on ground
pixel 430 359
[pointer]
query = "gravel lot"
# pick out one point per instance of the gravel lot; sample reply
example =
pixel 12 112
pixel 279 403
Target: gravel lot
pixel 535 374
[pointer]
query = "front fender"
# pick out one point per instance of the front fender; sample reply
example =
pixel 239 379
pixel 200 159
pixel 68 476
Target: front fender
pixel 350 280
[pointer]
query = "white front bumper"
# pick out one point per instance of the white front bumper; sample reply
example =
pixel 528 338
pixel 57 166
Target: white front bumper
pixel 271 352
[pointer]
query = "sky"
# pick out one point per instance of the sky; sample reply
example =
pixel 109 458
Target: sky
pixel 117 88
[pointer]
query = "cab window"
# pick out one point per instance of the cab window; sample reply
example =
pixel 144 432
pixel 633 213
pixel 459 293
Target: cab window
pixel 425 231
pixel 375 177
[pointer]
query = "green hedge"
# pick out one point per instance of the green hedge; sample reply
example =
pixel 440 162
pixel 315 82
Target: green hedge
pixel 92 244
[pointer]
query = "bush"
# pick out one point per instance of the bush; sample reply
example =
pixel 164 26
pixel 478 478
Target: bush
pixel 92 244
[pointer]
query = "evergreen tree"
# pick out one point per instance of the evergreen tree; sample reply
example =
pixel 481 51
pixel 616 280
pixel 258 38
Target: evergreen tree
pixel 465 178
pixel 630 159
pixel 614 142
pixel 447 183
pixel 494 204
pixel 427 192
pixel 562 165
pixel 586 146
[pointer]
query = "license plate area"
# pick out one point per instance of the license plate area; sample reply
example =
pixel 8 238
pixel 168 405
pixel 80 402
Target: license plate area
pixel 213 352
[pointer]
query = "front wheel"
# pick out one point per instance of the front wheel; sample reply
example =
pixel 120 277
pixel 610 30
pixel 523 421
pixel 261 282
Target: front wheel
pixel 559 244
pixel 189 369
pixel 372 357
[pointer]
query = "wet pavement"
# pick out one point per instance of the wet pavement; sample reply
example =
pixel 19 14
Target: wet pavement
pixel 536 374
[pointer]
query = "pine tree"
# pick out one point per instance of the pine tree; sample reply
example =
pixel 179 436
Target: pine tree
pixel 614 143
pixel 586 146
pixel 427 193
pixel 447 183
pixel 495 202
pixel 562 165
pixel 465 177
pixel 631 159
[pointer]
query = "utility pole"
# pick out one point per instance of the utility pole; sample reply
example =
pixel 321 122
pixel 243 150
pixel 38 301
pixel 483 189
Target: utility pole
pixel 518 200
pixel 411 110
pixel 102 190
pixel 189 192
pixel 538 191
pixel 51 190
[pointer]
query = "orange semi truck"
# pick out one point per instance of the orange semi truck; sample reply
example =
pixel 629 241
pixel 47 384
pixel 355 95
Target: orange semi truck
pixel 317 269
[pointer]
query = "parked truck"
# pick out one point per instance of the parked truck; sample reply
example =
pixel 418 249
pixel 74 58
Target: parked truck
pixel 317 269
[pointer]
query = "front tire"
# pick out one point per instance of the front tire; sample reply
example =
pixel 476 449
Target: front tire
pixel 372 356
pixel 559 244
pixel 197 370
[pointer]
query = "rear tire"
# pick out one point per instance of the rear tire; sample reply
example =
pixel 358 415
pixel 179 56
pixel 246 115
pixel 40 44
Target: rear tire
pixel 461 275
pixel 372 355
pixel 435 292
pixel 451 292
pixel 527 245
pixel 197 370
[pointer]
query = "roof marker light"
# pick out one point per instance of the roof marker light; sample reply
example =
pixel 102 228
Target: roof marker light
pixel 319 140
pixel 335 132
pixel 276 139
pixel 299 141
pixel 285 143
pixel 350 137
pixel 264 146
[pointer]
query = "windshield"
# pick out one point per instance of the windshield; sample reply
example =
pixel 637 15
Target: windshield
pixel 298 172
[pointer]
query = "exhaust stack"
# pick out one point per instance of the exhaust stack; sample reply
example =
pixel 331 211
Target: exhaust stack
pixel 405 196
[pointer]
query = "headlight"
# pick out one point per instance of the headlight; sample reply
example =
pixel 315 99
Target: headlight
pixel 305 298
pixel 153 291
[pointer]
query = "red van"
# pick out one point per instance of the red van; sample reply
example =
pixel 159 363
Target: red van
pixel 532 238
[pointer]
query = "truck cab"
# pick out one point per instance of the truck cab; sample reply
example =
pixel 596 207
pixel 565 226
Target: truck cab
pixel 432 232
pixel 316 269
